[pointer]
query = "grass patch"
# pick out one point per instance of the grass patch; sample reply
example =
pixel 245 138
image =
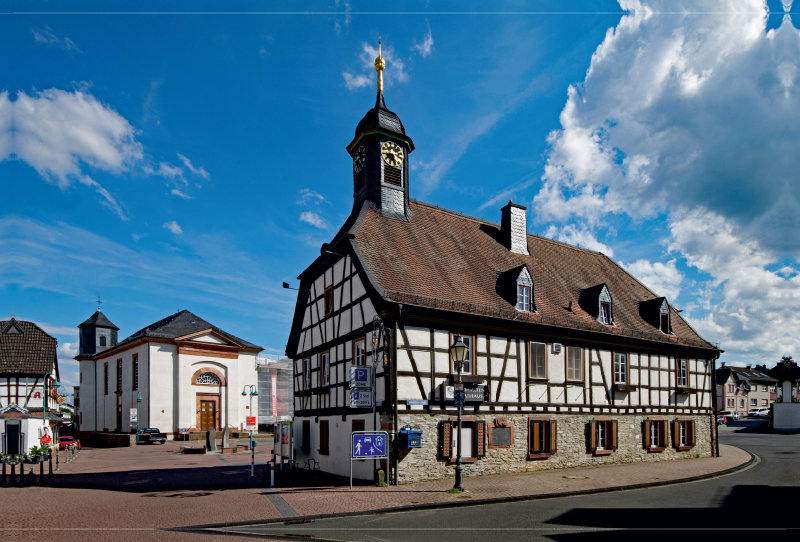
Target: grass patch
pixel 454 490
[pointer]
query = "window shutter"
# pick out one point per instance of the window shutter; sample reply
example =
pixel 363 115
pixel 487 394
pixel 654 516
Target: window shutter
pixel 446 439
pixel 536 427
pixel 592 436
pixel 691 436
pixel 613 434
pixel 647 442
pixel 480 437
pixel 676 433
pixel 553 437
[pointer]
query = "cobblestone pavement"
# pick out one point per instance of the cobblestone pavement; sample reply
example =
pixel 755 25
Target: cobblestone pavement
pixel 129 493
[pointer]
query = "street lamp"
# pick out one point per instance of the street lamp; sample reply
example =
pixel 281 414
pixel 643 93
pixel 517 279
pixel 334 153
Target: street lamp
pixel 253 391
pixel 56 383
pixel 138 405
pixel 458 353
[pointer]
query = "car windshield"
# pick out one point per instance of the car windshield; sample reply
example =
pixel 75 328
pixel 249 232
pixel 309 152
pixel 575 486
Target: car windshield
pixel 65 439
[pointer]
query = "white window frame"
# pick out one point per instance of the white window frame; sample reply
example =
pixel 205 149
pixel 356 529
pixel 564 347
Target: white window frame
pixel 764 388
pixel 656 434
pixel 580 364
pixel 682 372
pixel 765 402
pixel 602 435
pixel 534 359
pixel 523 298
pixel 682 433
pixel 307 374
pixel 360 352
pixel 468 368
pixel 754 402
pixel 621 376
pixel 325 365
pixel 605 315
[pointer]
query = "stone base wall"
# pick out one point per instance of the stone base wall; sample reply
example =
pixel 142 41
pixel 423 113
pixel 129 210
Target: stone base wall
pixel 419 464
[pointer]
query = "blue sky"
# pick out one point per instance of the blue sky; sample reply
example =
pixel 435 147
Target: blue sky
pixel 172 160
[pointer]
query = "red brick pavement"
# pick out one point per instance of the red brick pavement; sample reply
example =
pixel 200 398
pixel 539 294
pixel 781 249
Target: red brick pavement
pixel 207 489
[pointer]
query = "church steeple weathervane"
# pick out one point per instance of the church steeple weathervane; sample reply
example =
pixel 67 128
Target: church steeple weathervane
pixel 380 65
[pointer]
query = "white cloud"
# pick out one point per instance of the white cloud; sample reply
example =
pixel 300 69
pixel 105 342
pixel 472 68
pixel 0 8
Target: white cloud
pixel 46 36
pixel 309 196
pixel 337 25
pixel 354 82
pixel 196 170
pixel 314 219
pixel 67 350
pixel 426 47
pixel 581 237
pixel 173 227
pixel 56 132
pixel 663 279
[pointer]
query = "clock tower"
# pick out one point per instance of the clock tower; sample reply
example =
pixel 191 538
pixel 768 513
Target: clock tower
pixel 380 152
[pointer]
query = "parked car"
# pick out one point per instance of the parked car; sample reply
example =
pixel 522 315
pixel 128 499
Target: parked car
pixel 730 414
pixel 763 411
pixel 721 420
pixel 756 412
pixel 151 435
pixel 63 442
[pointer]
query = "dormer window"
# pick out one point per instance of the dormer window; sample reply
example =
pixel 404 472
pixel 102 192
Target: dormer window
pixel 605 312
pixel 656 312
pixel 664 318
pixel 664 323
pixel 523 298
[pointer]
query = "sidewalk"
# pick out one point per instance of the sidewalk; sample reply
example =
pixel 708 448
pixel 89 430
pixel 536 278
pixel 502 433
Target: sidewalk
pixel 315 501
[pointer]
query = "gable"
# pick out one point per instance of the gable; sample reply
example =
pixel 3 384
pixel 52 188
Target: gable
pixel 524 278
pixel 604 296
pixel 210 339
pixel 13 408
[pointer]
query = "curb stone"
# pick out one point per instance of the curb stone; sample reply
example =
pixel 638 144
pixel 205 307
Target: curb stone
pixel 495 500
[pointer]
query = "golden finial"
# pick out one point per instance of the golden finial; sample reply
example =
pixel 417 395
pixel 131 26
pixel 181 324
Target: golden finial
pixel 380 65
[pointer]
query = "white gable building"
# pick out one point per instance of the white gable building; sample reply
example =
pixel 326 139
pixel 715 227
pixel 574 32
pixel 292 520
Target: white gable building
pixel 189 373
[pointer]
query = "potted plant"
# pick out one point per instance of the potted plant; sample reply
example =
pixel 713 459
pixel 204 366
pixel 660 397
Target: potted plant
pixel 35 455
pixel 46 451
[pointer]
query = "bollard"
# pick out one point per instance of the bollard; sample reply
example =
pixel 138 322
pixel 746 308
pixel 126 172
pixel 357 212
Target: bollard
pixel 50 465
pixel 51 459
pixel 272 474
pixel 41 472
pixel 4 473
pixel 13 474
pixel 22 472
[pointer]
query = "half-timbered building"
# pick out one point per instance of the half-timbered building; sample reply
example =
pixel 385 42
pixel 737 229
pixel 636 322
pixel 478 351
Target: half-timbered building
pixel 571 361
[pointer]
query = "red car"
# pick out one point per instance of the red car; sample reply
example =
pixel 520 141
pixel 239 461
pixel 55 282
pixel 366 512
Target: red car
pixel 63 442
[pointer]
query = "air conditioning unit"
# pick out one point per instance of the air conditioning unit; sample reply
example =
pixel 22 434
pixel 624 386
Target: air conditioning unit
pixel 556 348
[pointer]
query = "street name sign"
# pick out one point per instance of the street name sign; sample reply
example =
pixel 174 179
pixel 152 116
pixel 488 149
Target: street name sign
pixel 361 398
pixel 361 377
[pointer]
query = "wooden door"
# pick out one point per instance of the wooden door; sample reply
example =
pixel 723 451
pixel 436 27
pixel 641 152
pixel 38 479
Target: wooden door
pixel 207 415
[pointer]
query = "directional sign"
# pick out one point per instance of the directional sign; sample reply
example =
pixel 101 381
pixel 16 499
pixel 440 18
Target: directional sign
pixel 368 445
pixel 361 377
pixel 361 398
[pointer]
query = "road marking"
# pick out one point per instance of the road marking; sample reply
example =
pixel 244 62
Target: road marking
pixel 283 507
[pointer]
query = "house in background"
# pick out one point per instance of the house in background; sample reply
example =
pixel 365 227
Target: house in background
pixel 741 389
pixel 571 360
pixel 28 368
pixel 189 373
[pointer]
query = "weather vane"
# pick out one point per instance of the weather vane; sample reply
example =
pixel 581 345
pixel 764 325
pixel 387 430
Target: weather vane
pixel 98 302
pixel 380 65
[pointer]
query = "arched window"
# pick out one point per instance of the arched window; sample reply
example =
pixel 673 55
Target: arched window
pixel 208 378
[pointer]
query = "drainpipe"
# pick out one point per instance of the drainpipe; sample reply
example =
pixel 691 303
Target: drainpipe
pixel 713 395
pixel 394 376
pixel 96 393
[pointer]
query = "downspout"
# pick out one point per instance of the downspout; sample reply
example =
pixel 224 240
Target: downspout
pixel 394 393
pixel 96 393
pixel 149 390
pixel 713 396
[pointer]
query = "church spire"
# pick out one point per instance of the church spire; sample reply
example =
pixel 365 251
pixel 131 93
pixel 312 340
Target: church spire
pixel 380 65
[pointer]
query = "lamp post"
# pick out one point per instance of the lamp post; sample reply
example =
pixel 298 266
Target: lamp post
pixel 253 391
pixel 138 405
pixel 458 353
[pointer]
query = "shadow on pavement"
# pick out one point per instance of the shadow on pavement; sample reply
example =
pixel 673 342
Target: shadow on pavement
pixel 746 508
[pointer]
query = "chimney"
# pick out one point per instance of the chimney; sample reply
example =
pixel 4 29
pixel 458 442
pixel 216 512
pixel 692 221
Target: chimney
pixel 749 366
pixel 723 364
pixel 514 228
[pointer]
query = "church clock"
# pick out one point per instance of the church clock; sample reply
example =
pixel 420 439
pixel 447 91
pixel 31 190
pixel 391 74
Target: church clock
pixel 359 159
pixel 392 153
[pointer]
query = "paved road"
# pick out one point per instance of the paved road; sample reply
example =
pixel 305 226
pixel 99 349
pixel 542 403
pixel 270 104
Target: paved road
pixel 761 498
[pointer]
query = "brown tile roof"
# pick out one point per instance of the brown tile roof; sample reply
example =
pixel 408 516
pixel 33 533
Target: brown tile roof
pixel 30 352
pixel 441 259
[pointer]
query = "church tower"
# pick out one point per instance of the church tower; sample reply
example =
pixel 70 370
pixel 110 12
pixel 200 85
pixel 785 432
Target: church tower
pixel 96 334
pixel 380 152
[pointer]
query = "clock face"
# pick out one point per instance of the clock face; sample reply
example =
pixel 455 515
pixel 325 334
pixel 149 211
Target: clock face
pixel 358 159
pixel 392 153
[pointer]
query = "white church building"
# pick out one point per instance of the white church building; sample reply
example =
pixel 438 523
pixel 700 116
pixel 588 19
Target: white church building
pixel 189 373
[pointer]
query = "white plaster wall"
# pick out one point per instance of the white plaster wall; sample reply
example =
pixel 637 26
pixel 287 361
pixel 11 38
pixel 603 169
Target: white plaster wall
pixel 164 393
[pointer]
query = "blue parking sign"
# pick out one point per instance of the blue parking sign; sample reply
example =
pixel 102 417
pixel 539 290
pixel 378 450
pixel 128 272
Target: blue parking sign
pixel 368 445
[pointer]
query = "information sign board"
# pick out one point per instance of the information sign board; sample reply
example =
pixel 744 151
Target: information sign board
pixel 361 377
pixel 361 398
pixel 134 415
pixel 473 395
pixel 250 423
pixel 368 445
pixel 274 395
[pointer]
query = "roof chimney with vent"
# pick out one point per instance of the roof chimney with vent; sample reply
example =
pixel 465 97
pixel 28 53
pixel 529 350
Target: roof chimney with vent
pixel 514 228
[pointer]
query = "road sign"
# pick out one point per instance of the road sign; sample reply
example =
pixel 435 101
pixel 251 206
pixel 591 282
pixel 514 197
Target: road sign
pixel 458 386
pixel 134 415
pixel 361 377
pixel 416 402
pixel 368 445
pixel 459 398
pixel 250 423
pixel 361 398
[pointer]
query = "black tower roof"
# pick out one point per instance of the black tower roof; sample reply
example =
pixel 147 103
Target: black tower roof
pixel 380 117
pixel 98 319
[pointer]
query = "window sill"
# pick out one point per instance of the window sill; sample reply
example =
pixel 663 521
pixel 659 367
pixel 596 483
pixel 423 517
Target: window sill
pixel 323 452
pixel 683 448
pixel 624 387
pixel 603 452
pixel 574 382
pixel 655 449
pixel 539 456
pixel 535 379
pixel 685 390
pixel 452 461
